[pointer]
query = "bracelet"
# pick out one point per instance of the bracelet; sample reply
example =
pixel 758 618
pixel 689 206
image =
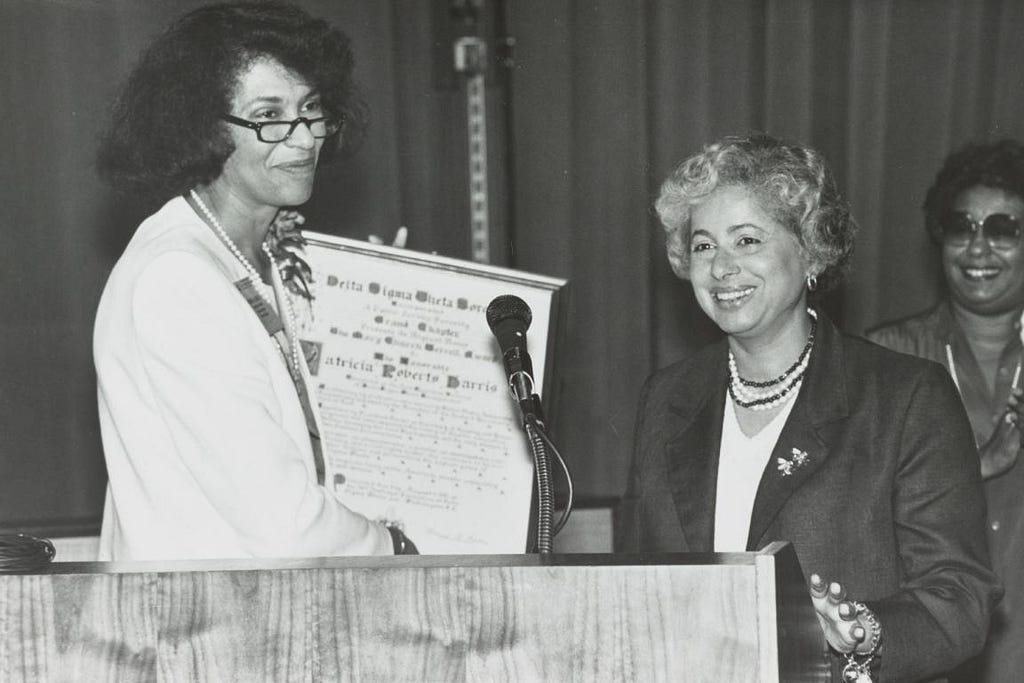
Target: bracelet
pixel 860 671
pixel 398 539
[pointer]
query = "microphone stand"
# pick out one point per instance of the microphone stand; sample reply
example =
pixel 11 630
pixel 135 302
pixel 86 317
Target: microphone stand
pixel 545 492
pixel 521 385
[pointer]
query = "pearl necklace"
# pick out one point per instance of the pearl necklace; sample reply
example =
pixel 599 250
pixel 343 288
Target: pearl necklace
pixel 768 394
pixel 254 274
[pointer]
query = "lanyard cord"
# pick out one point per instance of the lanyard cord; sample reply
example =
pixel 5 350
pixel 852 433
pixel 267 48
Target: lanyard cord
pixel 956 380
pixel 952 369
pixel 275 327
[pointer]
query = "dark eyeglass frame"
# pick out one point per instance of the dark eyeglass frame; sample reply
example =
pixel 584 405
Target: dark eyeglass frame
pixel 996 238
pixel 333 126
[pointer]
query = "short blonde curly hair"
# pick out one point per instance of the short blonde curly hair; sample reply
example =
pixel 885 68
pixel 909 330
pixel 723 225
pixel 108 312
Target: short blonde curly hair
pixel 793 184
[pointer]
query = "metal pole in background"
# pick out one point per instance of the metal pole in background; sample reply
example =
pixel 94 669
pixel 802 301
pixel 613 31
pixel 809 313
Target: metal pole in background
pixel 467 24
pixel 470 61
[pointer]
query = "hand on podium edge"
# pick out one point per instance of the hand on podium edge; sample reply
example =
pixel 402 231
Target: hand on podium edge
pixel 847 628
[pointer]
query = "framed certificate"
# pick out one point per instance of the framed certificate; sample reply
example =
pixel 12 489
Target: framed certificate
pixel 419 424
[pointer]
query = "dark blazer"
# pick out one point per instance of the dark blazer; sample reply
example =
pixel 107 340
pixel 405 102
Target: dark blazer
pixel 888 501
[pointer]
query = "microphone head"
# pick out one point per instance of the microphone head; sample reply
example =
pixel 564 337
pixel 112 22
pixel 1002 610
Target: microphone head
pixel 508 308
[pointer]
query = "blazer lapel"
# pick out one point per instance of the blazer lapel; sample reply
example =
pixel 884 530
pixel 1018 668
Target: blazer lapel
pixel 803 444
pixel 692 454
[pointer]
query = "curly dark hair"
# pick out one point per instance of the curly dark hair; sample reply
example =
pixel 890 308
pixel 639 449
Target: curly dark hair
pixel 165 135
pixel 793 184
pixel 999 165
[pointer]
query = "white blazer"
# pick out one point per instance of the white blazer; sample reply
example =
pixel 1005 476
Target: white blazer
pixel 206 445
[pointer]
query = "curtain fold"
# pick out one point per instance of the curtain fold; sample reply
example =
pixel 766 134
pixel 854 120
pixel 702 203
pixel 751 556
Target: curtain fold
pixel 884 89
pixel 609 95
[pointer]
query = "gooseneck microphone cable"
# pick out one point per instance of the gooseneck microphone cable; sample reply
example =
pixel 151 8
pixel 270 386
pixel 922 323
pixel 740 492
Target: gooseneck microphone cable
pixel 509 317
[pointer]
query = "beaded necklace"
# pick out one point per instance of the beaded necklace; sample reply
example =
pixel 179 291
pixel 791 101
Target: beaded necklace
pixel 765 395
pixel 254 275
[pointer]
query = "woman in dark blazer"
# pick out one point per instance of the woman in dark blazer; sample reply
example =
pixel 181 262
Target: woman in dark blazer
pixel 789 430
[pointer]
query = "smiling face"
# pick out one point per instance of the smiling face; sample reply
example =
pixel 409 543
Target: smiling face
pixel 984 279
pixel 748 271
pixel 262 174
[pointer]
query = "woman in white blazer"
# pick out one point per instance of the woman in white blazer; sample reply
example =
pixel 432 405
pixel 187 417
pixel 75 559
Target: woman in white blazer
pixel 212 448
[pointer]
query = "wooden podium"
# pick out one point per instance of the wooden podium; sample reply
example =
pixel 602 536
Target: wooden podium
pixel 687 617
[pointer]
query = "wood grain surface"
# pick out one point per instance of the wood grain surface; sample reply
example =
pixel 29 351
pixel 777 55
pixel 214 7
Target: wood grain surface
pixel 580 618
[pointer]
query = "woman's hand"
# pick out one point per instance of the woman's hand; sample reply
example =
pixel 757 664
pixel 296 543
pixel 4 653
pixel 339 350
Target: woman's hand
pixel 401 236
pixel 288 222
pixel 845 630
pixel 999 454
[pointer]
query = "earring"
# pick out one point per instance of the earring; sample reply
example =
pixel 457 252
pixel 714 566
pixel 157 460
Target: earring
pixel 812 283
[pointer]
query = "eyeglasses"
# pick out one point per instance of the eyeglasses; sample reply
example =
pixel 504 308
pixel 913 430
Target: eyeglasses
pixel 1001 230
pixel 276 131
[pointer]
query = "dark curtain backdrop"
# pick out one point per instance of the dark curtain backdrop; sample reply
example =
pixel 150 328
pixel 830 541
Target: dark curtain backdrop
pixel 607 95
pixel 611 95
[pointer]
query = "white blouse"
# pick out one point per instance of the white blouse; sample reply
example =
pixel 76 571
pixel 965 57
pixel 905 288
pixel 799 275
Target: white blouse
pixel 741 463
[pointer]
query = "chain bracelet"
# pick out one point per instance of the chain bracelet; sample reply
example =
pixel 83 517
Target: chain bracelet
pixel 859 671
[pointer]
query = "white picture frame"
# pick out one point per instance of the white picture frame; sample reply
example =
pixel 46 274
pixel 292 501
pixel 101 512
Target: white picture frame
pixel 419 426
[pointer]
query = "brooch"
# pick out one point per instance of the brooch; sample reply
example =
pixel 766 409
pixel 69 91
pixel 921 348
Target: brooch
pixel 286 243
pixel 797 460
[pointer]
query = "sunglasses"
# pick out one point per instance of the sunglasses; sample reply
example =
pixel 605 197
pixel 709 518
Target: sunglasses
pixel 1001 230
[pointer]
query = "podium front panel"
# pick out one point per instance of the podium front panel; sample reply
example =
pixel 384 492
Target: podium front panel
pixel 727 617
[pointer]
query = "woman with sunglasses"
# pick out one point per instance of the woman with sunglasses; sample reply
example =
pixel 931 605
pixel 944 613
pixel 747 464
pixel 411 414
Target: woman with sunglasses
pixel 973 211
pixel 211 441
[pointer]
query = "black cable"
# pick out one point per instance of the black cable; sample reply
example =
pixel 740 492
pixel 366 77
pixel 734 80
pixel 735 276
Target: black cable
pixel 24 553
pixel 568 480
pixel 538 432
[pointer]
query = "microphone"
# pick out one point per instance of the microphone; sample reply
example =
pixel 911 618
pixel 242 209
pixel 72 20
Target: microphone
pixel 509 317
